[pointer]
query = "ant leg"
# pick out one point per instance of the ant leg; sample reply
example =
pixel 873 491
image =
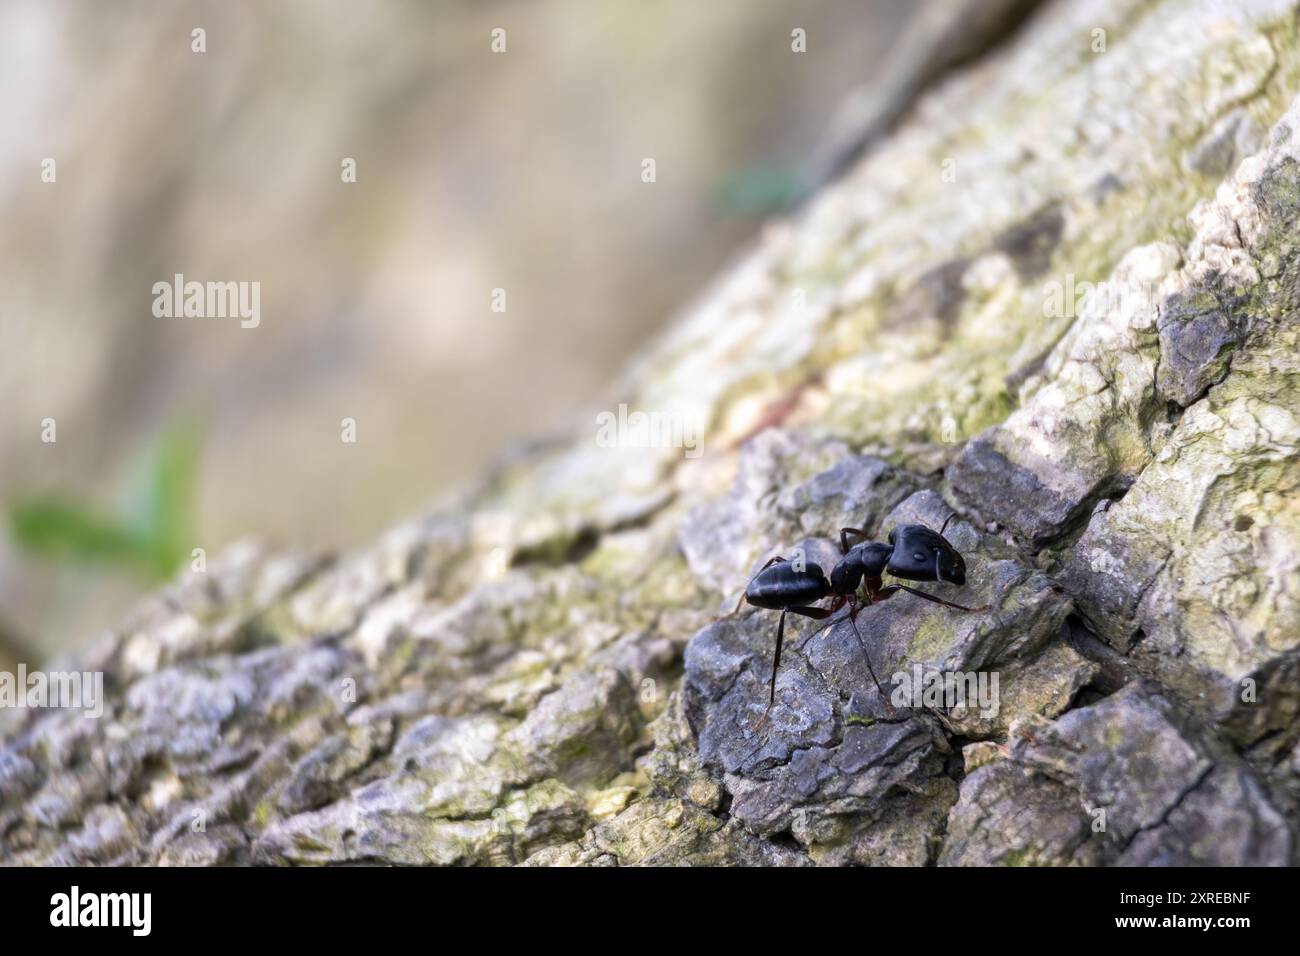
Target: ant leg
pixel 844 537
pixel 887 592
pixel 872 586
pixel 867 658
pixel 739 604
pixel 776 663
pixel 771 561
pixel 816 613
pixel 819 614
pixel 854 608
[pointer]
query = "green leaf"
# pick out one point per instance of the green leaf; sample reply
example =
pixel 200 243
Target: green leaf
pixel 761 190
pixel 155 534
pixel 61 529
pixel 164 499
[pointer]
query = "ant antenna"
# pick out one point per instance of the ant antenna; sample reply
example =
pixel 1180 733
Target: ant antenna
pixel 945 523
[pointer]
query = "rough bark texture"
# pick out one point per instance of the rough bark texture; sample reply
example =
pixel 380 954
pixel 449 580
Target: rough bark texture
pixel 535 676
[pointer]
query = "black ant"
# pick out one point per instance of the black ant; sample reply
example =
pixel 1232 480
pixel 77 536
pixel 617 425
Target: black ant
pixel 914 553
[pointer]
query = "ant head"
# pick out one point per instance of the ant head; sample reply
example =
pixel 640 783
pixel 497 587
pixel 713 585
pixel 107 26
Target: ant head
pixel 893 532
pixel 955 570
pixel 922 554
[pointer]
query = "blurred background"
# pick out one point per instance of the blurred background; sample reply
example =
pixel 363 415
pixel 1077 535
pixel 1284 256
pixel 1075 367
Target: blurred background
pixel 475 171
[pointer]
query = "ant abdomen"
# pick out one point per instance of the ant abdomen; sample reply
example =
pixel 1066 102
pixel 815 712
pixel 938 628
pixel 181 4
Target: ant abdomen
pixel 782 585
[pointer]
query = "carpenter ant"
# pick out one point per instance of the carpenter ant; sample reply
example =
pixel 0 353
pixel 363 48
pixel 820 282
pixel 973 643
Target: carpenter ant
pixel 914 553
